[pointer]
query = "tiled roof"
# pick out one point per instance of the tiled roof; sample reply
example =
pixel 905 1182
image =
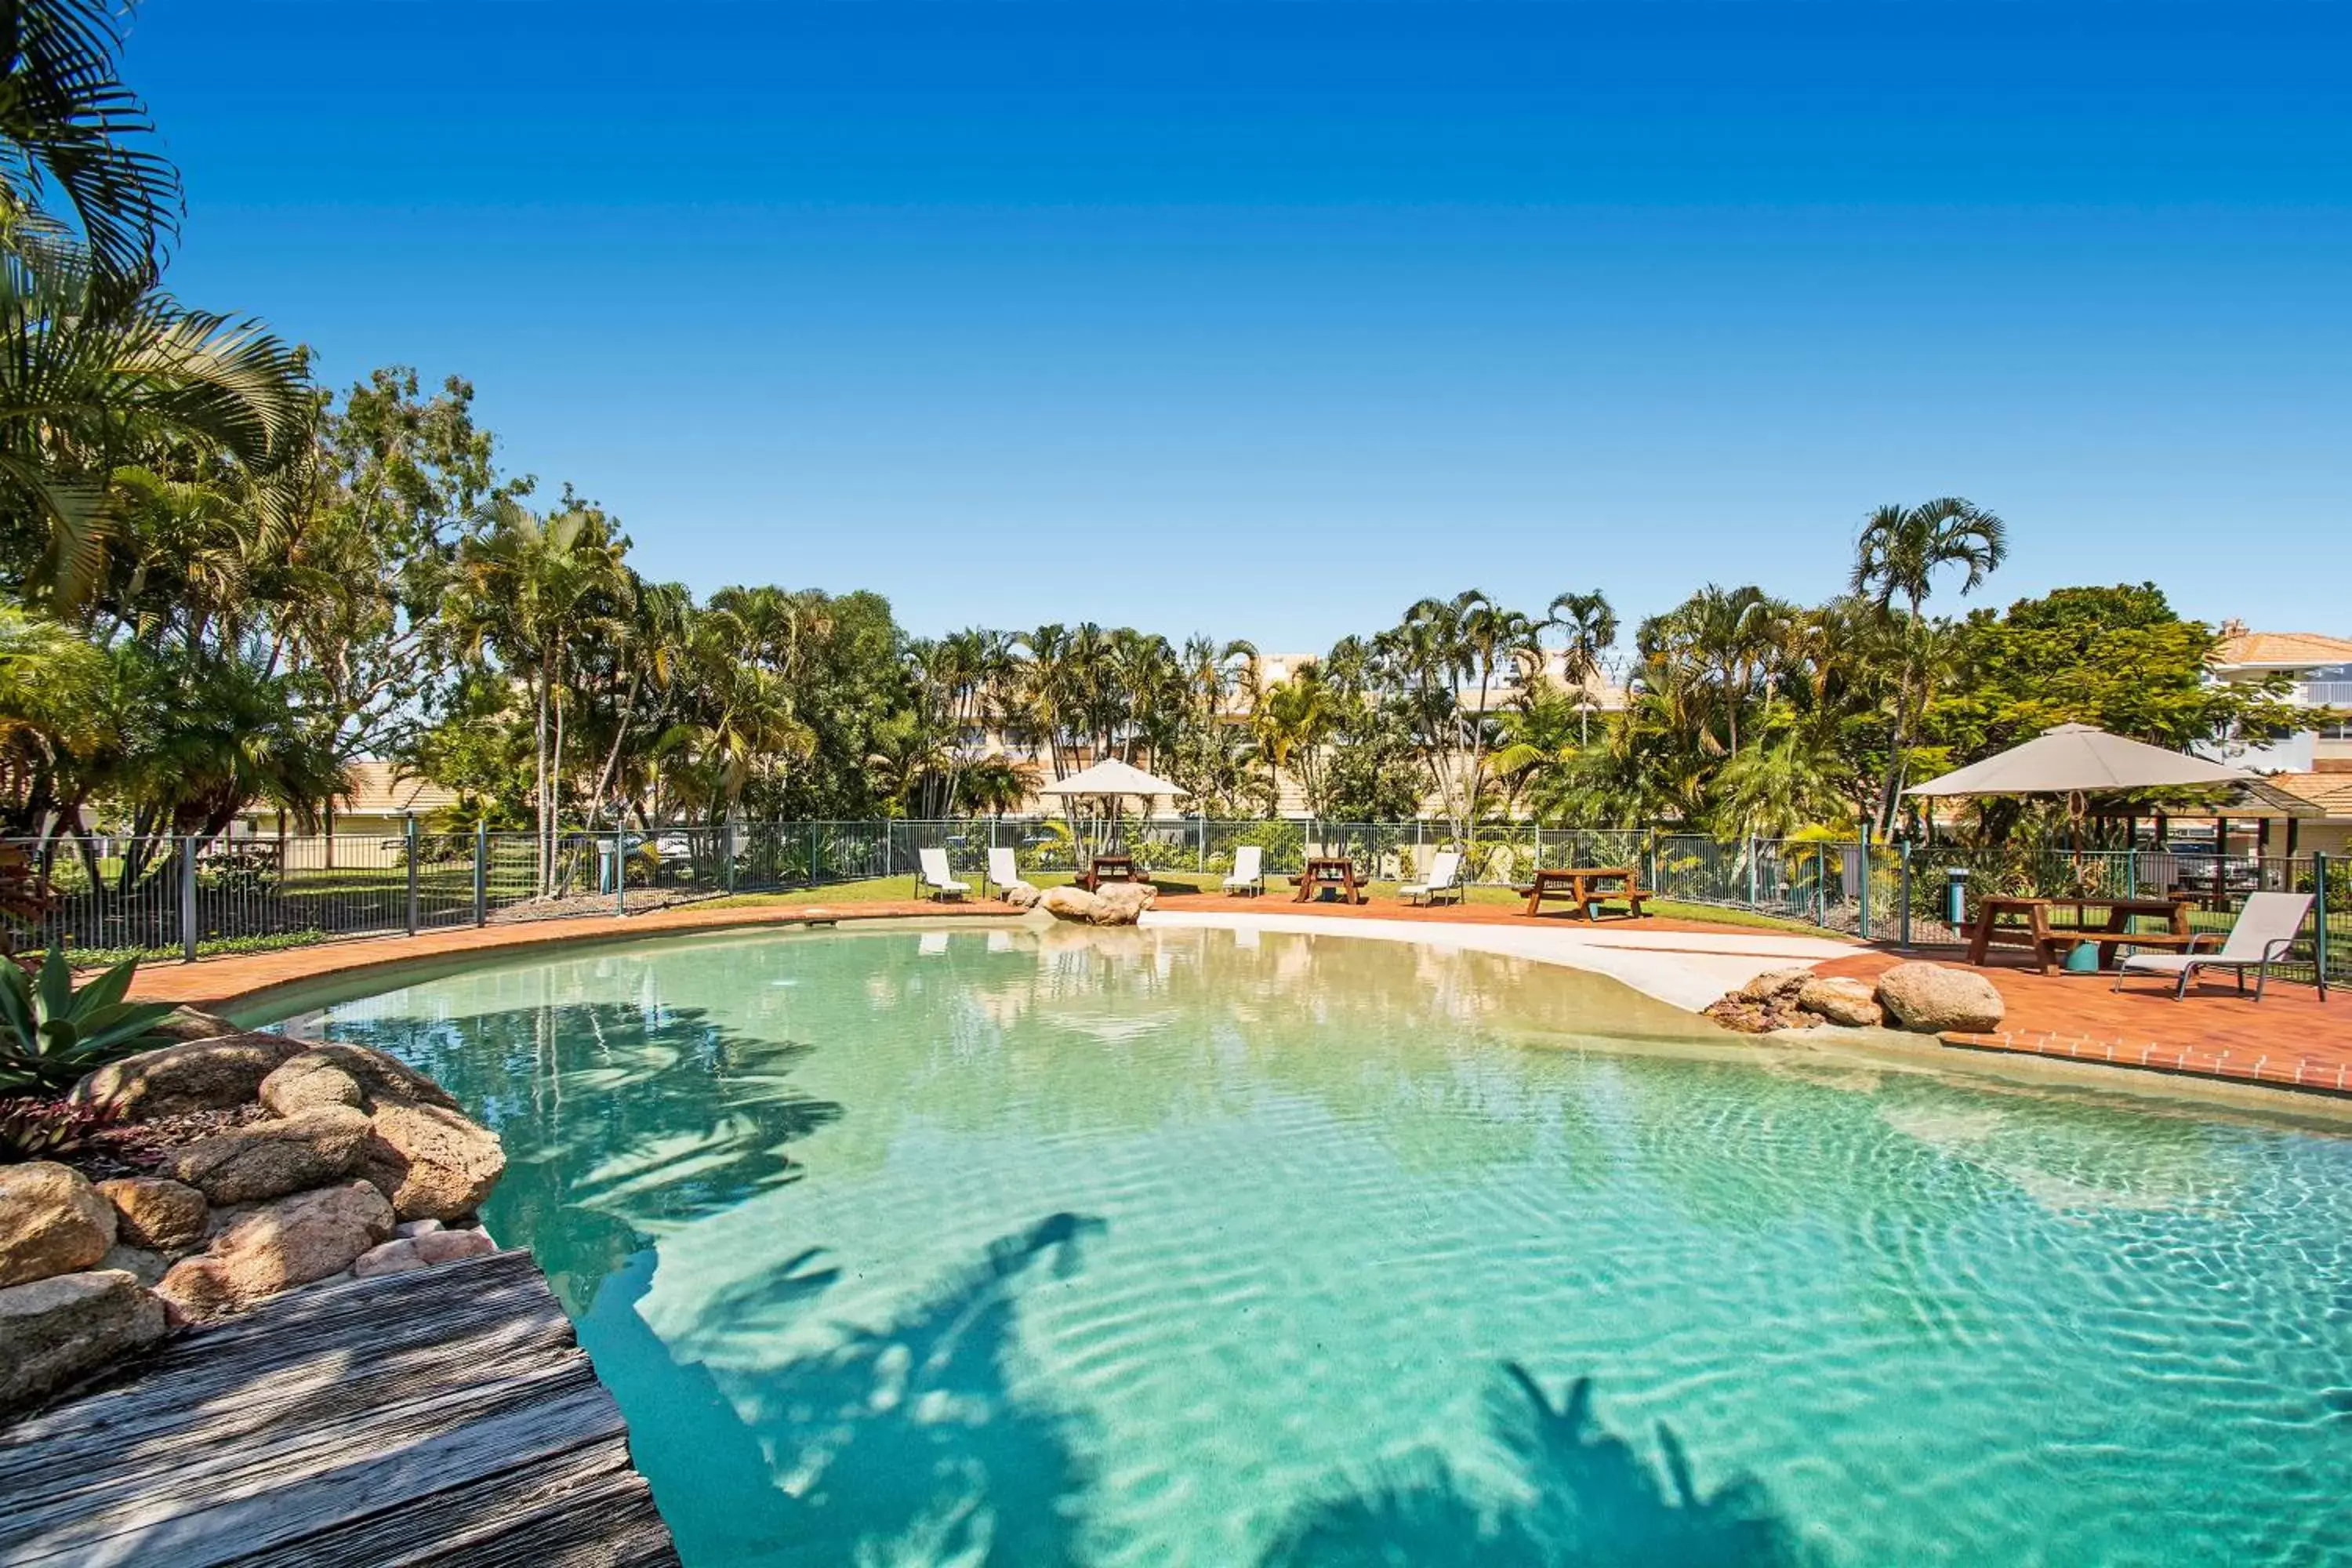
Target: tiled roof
pixel 379 789
pixel 2282 650
pixel 2331 792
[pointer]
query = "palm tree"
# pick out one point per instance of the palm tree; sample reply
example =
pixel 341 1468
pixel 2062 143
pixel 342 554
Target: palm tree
pixel 83 390
pixel 535 591
pixel 52 698
pixel 229 733
pixel 1039 703
pixel 95 368
pixel 1899 554
pixel 1541 753
pixel 1788 779
pixel 998 785
pixel 69 126
pixel 1693 657
pixel 744 723
pixel 1591 627
pixel 1439 649
pixel 646 653
pixel 1294 720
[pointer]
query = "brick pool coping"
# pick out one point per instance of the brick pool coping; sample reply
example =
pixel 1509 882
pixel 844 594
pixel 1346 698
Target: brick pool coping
pixel 245 979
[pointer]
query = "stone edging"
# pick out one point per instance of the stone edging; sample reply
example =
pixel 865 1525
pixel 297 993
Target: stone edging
pixel 277 1164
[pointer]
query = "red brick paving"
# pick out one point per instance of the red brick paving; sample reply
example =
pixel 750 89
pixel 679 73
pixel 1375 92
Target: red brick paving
pixel 2291 1039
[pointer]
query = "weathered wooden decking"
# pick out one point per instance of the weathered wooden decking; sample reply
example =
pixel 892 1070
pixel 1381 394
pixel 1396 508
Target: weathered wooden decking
pixel 443 1417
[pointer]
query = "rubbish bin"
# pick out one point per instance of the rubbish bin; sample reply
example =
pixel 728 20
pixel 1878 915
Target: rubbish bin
pixel 1956 896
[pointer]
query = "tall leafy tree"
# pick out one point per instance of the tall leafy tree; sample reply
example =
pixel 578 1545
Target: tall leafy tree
pixel 2119 657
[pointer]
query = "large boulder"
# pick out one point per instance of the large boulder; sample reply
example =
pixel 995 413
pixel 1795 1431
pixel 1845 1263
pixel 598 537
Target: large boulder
pixel 1068 903
pixel 1936 998
pixel 432 1163
pixel 156 1213
pixel 383 1080
pixel 52 1221
pixel 1851 1003
pixel 308 1081
pixel 1122 903
pixel 192 1023
pixel 59 1328
pixel 275 1247
pixel 172 1081
pixel 1020 895
pixel 270 1158
pixel 1774 985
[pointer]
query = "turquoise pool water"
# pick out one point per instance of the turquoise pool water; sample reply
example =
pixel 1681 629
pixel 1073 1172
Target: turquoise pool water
pixel 1178 1249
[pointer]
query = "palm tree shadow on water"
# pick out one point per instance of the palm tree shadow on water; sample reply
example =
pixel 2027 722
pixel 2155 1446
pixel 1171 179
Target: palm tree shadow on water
pixel 902 1444
pixel 618 1120
pixel 1589 1498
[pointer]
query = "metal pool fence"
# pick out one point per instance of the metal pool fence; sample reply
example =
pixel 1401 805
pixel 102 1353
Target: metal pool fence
pixel 185 897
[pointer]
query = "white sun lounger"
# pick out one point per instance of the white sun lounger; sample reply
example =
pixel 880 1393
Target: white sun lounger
pixel 2264 930
pixel 1003 870
pixel 1444 880
pixel 935 879
pixel 1249 870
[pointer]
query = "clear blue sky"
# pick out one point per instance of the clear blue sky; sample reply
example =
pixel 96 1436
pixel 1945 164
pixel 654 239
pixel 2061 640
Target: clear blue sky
pixel 1266 320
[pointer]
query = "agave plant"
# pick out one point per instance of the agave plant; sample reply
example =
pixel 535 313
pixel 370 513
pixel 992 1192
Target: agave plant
pixel 51 1034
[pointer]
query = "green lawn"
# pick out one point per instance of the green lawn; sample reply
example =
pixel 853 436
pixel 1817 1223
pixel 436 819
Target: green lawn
pixel 880 889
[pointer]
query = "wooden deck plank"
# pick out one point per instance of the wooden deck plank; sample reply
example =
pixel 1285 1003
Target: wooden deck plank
pixel 581 1510
pixel 446 1415
pixel 316 1368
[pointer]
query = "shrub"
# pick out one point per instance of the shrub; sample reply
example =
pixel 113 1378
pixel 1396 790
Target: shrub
pixel 45 1129
pixel 51 1034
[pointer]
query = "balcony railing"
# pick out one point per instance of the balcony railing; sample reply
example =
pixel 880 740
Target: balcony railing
pixel 2324 693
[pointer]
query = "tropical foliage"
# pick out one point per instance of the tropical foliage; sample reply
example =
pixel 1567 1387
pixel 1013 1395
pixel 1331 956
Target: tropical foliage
pixel 52 1033
pixel 221 584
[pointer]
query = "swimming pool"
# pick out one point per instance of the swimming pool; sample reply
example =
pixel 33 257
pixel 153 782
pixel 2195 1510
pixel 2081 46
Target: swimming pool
pixel 1205 1248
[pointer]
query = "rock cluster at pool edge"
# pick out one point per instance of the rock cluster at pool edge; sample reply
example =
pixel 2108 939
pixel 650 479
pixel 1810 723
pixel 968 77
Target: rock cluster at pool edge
pixel 348 1163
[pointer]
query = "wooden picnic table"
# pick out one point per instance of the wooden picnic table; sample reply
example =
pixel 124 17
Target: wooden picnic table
pixel 1584 885
pixel 2006 921
pixel 1108 868
pixel 2212 890
pixel 1323 871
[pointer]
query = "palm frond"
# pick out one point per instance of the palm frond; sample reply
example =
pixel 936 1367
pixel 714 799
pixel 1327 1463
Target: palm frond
pixel 73 127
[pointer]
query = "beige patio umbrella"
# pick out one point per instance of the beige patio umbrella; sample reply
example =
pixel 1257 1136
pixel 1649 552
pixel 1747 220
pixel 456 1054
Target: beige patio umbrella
pixel 1110 782
pixel 2079 758
pixel 1110 779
